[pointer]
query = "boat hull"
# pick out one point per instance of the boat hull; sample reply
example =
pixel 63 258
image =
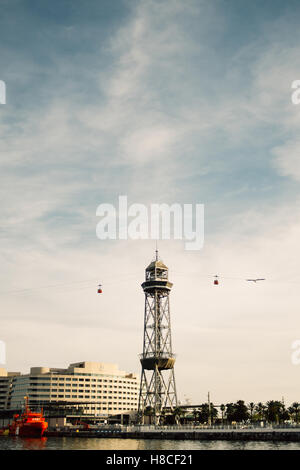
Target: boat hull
pixel 28 429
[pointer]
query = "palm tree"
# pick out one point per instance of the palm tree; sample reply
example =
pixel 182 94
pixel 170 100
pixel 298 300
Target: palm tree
pixel 276 411
pixel 207 413
pixel 294 410
pixel 260 408
pixel 178 412
pixel 251 407
pixel 241 411
pixel 296 407
pixel 230 412
pixel 222 408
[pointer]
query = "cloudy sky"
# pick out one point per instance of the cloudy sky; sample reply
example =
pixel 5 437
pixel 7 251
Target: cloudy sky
pixel 163 101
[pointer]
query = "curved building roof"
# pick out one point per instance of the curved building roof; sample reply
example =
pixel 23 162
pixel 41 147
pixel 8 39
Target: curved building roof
pixel 156 264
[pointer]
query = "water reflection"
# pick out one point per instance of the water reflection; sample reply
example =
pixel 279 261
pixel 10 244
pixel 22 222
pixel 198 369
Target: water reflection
pixel 34 444
pixel 81 443
pixel 22 443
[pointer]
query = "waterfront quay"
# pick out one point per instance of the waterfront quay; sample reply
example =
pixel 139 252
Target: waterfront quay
pixel 230 433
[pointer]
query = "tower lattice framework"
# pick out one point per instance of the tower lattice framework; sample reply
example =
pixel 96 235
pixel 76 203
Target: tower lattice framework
pixel 157 388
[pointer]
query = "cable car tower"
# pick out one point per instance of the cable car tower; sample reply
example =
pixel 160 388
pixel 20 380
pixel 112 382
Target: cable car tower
pixel 157 388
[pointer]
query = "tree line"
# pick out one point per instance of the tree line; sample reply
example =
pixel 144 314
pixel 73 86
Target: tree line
pixel 271 412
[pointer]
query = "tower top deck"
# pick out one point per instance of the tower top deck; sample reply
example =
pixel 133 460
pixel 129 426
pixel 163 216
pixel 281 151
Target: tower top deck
pixel 157 270
pixel 157 277
pixel 156 264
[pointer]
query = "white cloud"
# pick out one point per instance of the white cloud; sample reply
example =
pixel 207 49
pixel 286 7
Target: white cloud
pixel 149 144
pixel 288 159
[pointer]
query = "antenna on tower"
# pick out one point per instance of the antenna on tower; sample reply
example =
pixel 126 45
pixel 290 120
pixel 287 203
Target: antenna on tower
pixel 156 251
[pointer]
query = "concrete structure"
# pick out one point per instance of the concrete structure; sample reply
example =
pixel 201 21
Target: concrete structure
pixel 97 388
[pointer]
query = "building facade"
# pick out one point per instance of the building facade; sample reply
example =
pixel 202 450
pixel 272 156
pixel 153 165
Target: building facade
pixel 6 379
pixel 99 389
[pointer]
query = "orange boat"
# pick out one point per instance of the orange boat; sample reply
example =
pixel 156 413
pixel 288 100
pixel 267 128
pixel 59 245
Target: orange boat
pixel 28 424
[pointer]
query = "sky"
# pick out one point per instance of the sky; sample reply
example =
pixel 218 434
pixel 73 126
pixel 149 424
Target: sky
pixel 163 101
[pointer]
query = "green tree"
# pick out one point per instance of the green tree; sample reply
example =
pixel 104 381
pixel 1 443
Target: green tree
pixel 261 409
pixel 222 408
pixel 276 412
pixel 178 414
pixel 294 411
pixel 251 408
pixel 230 412
pixel 241 411
pixel 204 413
pixel 237 412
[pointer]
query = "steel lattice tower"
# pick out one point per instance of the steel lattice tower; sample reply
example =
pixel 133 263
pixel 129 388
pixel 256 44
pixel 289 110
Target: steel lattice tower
pixel 157 389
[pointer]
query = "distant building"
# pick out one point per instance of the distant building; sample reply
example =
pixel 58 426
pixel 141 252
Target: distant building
pixel 97 388
pixel 5 387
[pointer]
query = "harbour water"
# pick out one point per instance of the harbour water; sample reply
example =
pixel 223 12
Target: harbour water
pixel 73 443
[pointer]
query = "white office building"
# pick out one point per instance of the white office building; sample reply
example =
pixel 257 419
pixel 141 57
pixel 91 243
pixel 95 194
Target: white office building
pixel 100 389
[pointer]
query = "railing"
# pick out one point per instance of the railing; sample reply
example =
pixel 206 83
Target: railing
pixel 150 428
pixel 153 355
pixel 116 428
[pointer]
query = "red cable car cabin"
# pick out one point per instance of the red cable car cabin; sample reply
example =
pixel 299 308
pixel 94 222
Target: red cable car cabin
pixel 216 282
pixel 99 291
